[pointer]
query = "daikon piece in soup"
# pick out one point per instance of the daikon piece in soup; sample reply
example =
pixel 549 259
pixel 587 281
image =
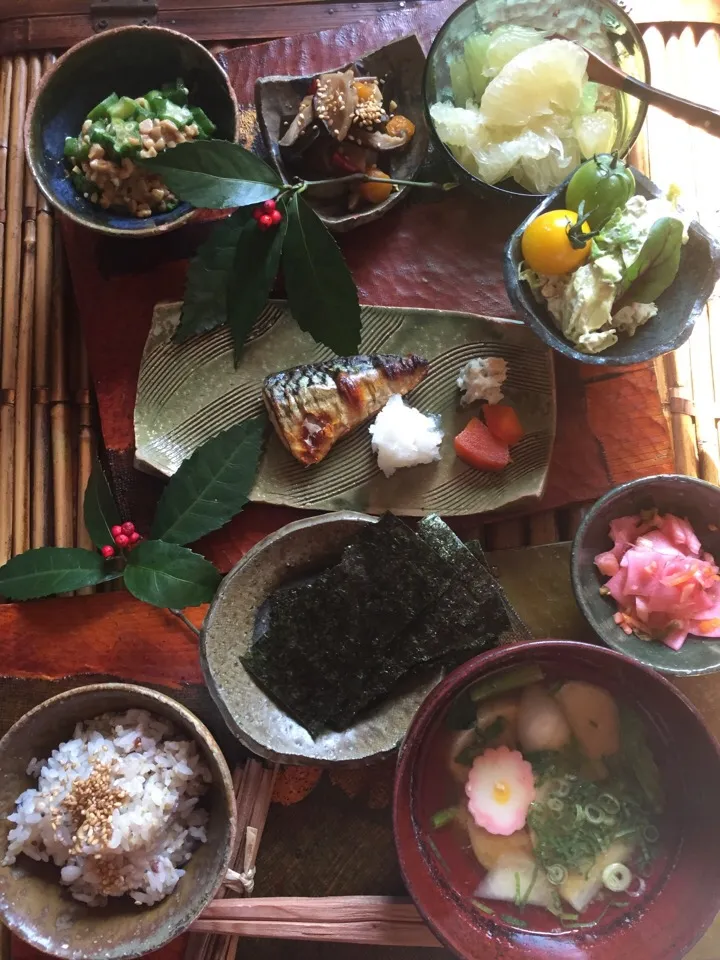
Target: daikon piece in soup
pixel 545 804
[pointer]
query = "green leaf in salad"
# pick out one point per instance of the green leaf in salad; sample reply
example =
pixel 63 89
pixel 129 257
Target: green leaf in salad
pixel 656 265
pixel 168 575
pixel 211 486
pixel 253 273
pixel 320 289
pixel 206 287
pixel 215 174
pixel 100 511
pixel 619 237
pixel 48 570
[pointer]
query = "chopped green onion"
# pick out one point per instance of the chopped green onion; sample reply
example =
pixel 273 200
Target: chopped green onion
pixel 438 856
pixel 556 874
pixel 484 907
pixel 609 803
pixel 651 833
pixel 555 804
pixel 443 817
pixel 617 877
pixel 593 813
pixel 506 681
pixel 562 788
pixel 514 920
pixel 522 899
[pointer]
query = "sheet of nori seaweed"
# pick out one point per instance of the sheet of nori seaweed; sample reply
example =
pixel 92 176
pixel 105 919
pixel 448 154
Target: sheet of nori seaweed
pixel 520 630
pixel 323 650
pixel 467 618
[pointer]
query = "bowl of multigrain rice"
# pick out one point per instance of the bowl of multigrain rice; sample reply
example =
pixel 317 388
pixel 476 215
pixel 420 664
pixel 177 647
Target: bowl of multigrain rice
pixel 127 62
pixel 117 822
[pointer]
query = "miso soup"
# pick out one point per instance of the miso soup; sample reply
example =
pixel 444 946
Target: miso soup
pixel 544 801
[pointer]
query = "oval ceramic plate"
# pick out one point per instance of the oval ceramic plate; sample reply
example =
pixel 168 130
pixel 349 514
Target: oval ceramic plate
pixel 296 551
pixel 192 391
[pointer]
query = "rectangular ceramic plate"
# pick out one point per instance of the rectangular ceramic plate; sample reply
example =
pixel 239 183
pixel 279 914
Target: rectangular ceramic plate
pixel 189 392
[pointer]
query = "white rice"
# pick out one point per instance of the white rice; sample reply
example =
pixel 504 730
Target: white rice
pixel 115 808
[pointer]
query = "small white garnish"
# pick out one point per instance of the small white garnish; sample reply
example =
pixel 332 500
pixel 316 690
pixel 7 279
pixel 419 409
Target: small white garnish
pixel 481 380
pixel 402 436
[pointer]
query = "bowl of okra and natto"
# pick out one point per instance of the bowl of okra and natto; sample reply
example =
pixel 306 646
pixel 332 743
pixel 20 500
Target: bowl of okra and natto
pixel 110 103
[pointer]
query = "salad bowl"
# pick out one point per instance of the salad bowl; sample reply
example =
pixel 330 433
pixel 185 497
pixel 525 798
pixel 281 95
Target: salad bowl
pixel 678 306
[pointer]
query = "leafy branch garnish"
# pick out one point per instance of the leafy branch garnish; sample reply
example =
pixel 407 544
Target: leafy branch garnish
pixel 209 488
pixel 232 274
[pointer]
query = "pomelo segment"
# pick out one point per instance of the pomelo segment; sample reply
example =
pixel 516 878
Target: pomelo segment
pixel 535 83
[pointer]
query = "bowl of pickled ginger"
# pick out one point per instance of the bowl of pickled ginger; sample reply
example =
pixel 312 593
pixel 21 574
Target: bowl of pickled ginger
pixel 547 803
pixel 645 570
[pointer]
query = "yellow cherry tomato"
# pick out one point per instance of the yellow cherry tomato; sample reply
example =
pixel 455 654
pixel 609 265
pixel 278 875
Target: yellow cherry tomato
pixel 553 245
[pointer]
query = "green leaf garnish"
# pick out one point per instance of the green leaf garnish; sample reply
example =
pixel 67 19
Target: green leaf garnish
pixel 657 264
pixel 168 575
pixel 254 269
pixel 215 174
pixel 48 570
pixel 206 286
pixel 99 508
pixel 211 486
pixel 321 292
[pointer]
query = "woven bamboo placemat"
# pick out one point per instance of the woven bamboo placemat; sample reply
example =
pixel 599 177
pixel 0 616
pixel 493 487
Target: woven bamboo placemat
pixel 48 431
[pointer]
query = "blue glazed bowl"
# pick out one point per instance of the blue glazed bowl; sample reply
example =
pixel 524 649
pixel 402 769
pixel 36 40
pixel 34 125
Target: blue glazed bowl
pixel 669 493
pixel 130 61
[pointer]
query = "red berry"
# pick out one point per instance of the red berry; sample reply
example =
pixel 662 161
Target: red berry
pixel 122 540
pixel 258 212
pixel 116 530
pixel 128 528
pixel 265 221
pixel 108 552
pixel 269 206
pixel 134 537
pixel 276 216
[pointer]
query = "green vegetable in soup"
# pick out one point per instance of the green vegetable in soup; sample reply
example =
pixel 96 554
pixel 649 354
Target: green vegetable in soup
pixel 481 741
pixel 443 817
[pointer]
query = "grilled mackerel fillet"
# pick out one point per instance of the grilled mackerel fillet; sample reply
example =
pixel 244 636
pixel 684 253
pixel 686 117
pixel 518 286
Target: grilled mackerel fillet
pixel 314 405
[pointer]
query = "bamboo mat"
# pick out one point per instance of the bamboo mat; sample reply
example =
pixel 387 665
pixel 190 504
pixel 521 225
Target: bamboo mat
pixel 47 428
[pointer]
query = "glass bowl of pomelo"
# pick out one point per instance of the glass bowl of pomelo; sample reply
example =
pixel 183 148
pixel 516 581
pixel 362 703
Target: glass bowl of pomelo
pixel 508 99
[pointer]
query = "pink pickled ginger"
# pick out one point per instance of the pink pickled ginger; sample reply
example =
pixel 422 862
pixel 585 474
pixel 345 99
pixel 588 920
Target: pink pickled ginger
pixel 664 584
